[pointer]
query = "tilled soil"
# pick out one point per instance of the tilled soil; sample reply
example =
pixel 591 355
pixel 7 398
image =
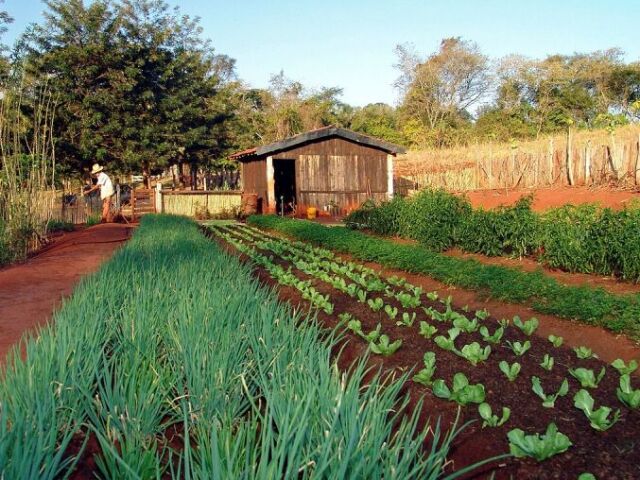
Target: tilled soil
pixel 608 455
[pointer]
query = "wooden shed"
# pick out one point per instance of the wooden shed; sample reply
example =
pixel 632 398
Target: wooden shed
pixel 332 169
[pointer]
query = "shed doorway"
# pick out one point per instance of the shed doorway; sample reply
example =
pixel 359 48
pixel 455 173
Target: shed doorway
pixel 284 179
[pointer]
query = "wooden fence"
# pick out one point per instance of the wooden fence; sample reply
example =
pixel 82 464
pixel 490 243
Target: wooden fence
pixel 200 203
pixel 573 158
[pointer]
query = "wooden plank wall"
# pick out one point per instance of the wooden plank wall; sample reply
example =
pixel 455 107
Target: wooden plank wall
pixel 337 171
pixel 254 178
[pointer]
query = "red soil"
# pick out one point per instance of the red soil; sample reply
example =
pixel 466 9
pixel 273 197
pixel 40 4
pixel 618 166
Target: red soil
pixel 545 198
pixel 30 291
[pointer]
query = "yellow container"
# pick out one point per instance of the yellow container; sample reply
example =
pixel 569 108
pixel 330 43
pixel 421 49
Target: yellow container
pixel 311 213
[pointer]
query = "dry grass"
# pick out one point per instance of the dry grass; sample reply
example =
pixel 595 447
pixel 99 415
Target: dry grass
pixel 597 157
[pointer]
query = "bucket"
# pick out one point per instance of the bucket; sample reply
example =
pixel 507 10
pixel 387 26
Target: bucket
pixel 311 213
pixel 249 203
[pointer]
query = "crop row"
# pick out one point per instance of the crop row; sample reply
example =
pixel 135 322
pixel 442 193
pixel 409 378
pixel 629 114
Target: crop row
pixel 619 313
pixel 316 263
pixel 585 238
pixel 176 363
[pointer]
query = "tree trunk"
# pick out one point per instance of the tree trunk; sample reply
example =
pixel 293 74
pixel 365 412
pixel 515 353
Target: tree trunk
pixel 587 163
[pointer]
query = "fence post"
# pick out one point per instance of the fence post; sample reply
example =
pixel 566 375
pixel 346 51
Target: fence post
pixel 158 200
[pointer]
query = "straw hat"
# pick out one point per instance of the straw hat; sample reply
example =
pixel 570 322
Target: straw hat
pixel 96 168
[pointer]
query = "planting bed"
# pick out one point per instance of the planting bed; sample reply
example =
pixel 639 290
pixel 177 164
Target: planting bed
pixel 173 362
pixel 363 302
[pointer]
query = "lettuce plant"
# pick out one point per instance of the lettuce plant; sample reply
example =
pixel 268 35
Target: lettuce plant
pixel 392 312
pixel 527 327
pixel 396 281
pixel 425 376
pixel 547 362
pixel 584 353
pixel 474 353
pixel 407 319
pixel 375 305
pixel 427 330
pixel 624 368
pixel 461 391
pixel 510 371
pixel 407 300
pixel 536 446
pixel 356 327
pixel 482 314
pixel 362 295
pixel 599 418
pixel 345 317
pixel 492 338
pixel 503 322
pixel 433 296
pixel 491 420
pixel 384 346
pixel 519 348
pixel 447 343
pixel 555 340
pixel 466 325
pixel 626 394
pixel 586 377
pixel 548 401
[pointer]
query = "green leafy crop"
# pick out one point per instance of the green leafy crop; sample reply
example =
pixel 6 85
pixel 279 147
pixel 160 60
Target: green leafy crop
pixel 586 377
pixel 584 353
pixel 492 338
pixel 510 371
pixel 626 394
pixel 519 348
pixel 548 401
pixel 624 368
pixel 474 353
pixel 547 362
pixel 555 340
pixel 461 391
pixel 491 420
pixel 427 330
pixel 527 327
pixel 407 319
pixel 425 376
pixel 447 343
pixel 536 446
pixel 384 346
pixel 598 418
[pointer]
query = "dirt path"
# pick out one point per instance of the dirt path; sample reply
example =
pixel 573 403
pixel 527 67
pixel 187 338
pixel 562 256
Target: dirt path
pixel 545 198
pixel 29 292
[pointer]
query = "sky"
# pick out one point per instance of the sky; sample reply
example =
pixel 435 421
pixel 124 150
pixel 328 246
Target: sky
pixel 350 43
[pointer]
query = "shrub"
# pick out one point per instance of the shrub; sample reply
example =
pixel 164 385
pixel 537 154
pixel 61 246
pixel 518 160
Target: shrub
pixel 513 230
pixel 382 218
pixel 434 217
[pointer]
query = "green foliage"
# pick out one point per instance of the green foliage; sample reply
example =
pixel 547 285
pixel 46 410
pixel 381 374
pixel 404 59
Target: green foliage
pixel 555 340
pixel 491 420
pixel 586 377
pixel 598 418
pixel 447 343
pixel 384 346
pixel 510 371
pixel 512 230
pixel 92 220
pixel 519 348
pixel 461 391
pixel 619 313
pixel 536 446
pixel 583 352
pixel 474 353
pixel 548 401
pixel 492 338
pixel 407 319
pixel 527 327
pixel 623 368
pixel 547 362
pixel 626 393
pixel 427 330
pixel 425 376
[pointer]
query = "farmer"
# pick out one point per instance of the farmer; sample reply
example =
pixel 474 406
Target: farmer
pixel 105 186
